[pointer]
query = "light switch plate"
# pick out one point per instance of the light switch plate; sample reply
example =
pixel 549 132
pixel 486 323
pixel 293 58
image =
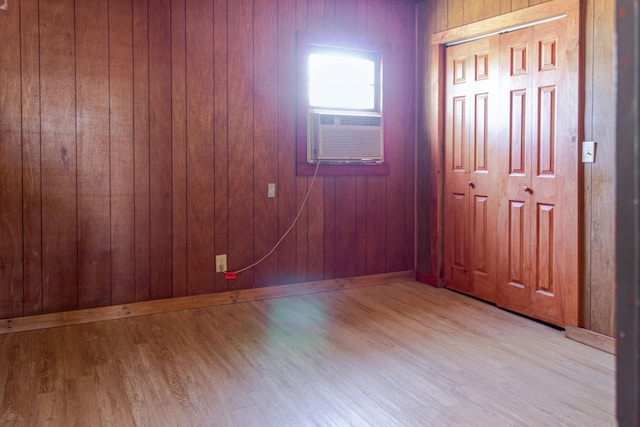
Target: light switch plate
pixel 589 152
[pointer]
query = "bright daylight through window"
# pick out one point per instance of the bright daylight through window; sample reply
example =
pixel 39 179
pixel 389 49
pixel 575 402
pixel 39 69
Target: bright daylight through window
pixel 342 81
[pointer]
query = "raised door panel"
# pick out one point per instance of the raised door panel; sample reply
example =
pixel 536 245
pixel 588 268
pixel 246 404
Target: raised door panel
pixel 518 140
pixel 459 149
pixel 459 242
pixel 513 291
pixel 483 256
pixel 479 149
pixel 547 264
pixel 543 257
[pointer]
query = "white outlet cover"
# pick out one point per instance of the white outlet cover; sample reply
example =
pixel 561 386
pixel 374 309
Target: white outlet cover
pixel 271 190
pixel 588 152
pixel 221 263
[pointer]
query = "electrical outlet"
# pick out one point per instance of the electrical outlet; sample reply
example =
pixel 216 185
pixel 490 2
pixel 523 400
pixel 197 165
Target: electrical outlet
pixel 271 190
pixel 221 263
pixel 588 152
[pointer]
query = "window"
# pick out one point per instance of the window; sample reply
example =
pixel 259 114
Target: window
pixel 342 79
pixel 339 112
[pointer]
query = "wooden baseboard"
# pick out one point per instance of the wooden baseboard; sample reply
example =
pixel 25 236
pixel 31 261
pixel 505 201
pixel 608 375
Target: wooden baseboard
pixel 75 317
pixel 592 339
pixel 428 279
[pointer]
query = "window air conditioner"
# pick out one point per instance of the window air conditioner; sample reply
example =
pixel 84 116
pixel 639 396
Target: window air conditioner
pixel 344 137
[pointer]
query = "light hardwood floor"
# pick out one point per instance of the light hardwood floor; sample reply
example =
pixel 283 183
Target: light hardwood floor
pixel 394 355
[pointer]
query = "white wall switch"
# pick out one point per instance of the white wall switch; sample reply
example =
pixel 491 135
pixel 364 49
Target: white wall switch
pixel 588 152
pixel 271 190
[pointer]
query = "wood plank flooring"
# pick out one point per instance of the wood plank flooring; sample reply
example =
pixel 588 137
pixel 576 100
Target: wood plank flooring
pixel 393 355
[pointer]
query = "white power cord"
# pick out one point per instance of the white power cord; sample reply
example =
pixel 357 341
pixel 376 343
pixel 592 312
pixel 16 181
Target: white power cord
pixel 295 220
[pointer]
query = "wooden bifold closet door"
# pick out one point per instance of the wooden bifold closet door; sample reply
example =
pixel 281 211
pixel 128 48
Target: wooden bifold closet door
pixel 471 159
pixel 510 181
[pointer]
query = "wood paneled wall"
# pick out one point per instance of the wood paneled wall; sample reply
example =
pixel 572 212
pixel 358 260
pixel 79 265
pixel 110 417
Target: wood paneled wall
pixel 138 138
pixel 598 180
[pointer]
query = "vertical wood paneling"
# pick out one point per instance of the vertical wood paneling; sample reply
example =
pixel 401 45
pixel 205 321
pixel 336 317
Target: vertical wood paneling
pixel 59 201
pixel 11 242
pixel 141 148
pixel 505 6
pixel 241 138
pixel 330 206
pixel 376 191
pixel 31 177
pixel 345 224
pixel 441 14
pixel 200 149
pixel 329 16
pixel 361 225
pixel 93 131
pixel 145 135
pixel 315 16
pixel 122 150
pixel 346 17
pixel 425 22
pixel 286 191
pixel 491 8
pixel 361 181
pixel 302 182
pixel 330 212
pixel 432 129
pixel 160 205
pixel 474 10
pixel 315 231
pixel 265 155
pixel 302 232
pixel 410 113
pixel 376 225
pixel 395 111
pixel 587 168
pixel 519 4
pixel 179 148
pixel 455 13
pixel 362 17
pixel 220 95
pixel 315 203
pixel 346 257
pixel 601 241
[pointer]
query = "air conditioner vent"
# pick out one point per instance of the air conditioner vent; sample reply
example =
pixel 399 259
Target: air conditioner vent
pixel 328 119
pixel 345 137
pixel 375 121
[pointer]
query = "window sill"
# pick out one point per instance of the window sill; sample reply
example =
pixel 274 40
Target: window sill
pixel 328 169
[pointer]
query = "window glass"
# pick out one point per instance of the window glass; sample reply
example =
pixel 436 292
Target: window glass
pixel 341 81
